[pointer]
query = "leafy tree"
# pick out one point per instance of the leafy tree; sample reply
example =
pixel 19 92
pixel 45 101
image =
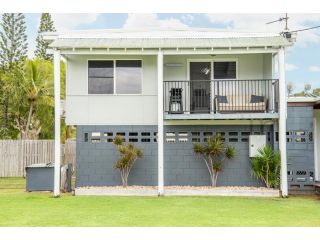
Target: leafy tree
pixel 290 88
pixel 266 166
pixel 13 52
pixel 37 101
pixel 128 156
pixel 46 25
pixel 214 152
pixel 316 91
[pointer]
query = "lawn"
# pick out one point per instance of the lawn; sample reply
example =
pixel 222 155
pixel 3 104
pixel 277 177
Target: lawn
pixel 19 208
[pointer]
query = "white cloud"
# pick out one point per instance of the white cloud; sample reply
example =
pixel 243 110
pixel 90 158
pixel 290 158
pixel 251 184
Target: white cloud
pixel 187 18
pixel 314 68
pixel 150 20
pixel 290 67
pixel 257 22
pixel 70 21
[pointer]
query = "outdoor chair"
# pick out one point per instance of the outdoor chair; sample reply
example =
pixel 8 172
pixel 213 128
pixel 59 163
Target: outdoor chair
pixel 175 101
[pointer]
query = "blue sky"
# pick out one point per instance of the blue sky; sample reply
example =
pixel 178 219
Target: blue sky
pixel 303 60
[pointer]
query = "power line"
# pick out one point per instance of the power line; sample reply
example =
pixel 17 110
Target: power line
pixel 286 29
pixel 305 29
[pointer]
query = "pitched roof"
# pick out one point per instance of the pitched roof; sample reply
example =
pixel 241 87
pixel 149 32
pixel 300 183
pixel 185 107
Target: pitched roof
pixel 157 38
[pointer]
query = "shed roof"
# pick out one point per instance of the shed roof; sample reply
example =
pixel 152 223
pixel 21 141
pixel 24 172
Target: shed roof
pixel 303 99
pixel 157 38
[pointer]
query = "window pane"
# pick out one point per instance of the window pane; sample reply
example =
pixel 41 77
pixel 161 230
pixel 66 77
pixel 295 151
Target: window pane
pixel 128 76
pixel 100 85
pixel 225 70
pixel 100 77
pixel 200 70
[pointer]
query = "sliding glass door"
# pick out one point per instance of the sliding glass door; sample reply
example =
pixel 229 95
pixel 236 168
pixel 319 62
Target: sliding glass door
pixel 200 76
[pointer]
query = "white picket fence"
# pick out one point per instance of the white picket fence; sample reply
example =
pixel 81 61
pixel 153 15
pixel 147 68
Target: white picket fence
pixel 15 155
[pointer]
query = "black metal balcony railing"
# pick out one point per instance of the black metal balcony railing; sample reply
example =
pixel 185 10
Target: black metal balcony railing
pixel 221 96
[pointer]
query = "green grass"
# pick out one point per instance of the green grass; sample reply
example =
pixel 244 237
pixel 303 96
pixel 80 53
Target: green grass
pixel 19 208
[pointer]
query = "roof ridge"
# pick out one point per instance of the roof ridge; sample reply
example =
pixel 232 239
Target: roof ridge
pixel 161 29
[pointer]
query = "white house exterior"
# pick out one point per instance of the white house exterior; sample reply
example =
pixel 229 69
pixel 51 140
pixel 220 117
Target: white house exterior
pixel 163 90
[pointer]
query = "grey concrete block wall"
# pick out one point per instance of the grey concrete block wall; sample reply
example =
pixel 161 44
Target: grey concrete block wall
pixel 182 167
pixel 95 159
pixel 300 155
pixel 300 148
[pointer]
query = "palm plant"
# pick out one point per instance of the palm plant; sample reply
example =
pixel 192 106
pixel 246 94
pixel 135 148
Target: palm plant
pixel 266 166
pixel 214 152
pixel 37 90
pixel 128 156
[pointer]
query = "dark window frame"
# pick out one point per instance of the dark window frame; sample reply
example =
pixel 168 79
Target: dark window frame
pixel 94 75
pixel 114 61
pixel 224 61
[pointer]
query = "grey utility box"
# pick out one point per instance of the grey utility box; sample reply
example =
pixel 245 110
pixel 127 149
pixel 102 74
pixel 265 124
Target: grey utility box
pixel 40 177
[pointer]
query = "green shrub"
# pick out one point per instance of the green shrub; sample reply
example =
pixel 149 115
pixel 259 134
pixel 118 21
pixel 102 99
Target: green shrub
pixel 266 166
pixel 213 152
pixel 128 156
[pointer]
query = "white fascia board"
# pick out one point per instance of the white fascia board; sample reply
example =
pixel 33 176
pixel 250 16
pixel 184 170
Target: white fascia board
pixel 180 51
pixel 217 116
pixel 220 122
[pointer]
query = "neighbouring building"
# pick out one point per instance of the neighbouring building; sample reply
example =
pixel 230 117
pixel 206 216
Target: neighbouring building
pixel 164 90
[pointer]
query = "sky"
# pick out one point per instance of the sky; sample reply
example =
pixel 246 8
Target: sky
pixel 302 60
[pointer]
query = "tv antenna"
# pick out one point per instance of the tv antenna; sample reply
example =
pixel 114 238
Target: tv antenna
pixel 286 18
pixel 286 32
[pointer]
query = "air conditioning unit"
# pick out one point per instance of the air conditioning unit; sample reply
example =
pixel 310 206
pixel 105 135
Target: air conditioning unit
pixel 255 143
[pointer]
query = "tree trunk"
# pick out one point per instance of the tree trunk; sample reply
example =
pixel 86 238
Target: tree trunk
pixel 29 118
pixel 214 178
pixel 124 178
pixel 5 115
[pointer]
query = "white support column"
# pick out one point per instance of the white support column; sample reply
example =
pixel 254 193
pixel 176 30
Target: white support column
pixel 283 123
pixel 315 142
pixel 160 124
pixel 316 139
pixel 57 154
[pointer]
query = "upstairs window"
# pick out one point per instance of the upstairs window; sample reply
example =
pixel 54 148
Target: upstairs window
pixel 101 77
pixel 128 76
pixel 115 77
pixel 225 70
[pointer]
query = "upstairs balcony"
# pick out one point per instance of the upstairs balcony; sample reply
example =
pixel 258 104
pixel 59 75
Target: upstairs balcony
pixel 221 99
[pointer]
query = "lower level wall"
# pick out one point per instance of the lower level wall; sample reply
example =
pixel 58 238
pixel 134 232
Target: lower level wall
pixel 96 155
pixel 182 167
pixel 300 148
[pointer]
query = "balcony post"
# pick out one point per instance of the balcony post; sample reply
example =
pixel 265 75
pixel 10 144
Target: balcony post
pixel 57 154
pixel 160 124
pixel 283 122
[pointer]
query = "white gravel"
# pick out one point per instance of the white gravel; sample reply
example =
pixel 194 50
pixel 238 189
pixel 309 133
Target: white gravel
pixel 178 191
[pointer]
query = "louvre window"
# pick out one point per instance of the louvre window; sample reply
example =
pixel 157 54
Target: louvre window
pixel 95 137
pixel 224 70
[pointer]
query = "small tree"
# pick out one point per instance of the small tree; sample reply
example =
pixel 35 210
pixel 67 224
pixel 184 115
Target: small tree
pixel 36 97
pixel 128 156
pixel 214 152
pixel 13 52
pixel 46 25
pixel 266 166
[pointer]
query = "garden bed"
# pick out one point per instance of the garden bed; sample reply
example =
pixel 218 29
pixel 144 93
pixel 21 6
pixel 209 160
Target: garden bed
pixel 178 191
